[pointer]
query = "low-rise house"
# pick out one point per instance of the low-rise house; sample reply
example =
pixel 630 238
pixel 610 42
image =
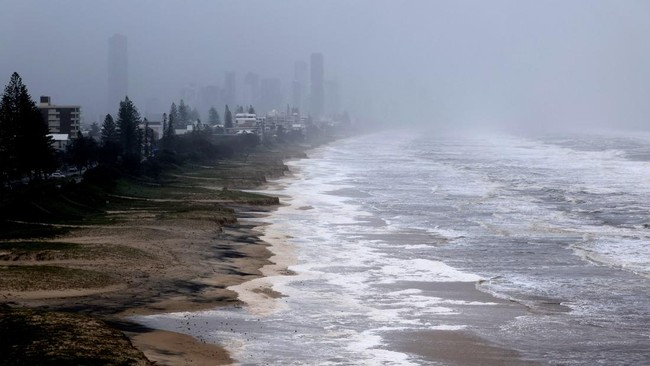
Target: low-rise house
pixel 155 122
pixel 183 131
pixel 60 140
pixel 245 122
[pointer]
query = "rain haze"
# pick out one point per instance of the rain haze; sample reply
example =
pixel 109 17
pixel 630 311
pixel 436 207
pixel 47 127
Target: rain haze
pixel 486 63
pixel 335 182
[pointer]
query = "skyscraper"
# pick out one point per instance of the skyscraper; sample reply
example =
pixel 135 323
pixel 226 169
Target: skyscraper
pixel 270 95
pixel 300 86
pixel 317 89
pixel 296 95
pixel 118 78
pixel 208 98
pixel 229 92
pixel 251 89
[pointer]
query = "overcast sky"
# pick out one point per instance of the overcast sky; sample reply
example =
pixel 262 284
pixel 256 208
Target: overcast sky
pixel 457 62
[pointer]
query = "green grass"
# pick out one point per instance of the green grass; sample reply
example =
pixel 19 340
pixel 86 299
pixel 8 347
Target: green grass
pixel 170 190
pixel 246 197
pixel 44 251
pixel 253 171
pixel 14 230
pixel 47 202
pixel 31 278
pixel 180 192
pixel 56 203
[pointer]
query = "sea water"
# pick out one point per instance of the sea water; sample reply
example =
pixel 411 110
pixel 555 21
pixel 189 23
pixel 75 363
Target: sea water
pixel 557 226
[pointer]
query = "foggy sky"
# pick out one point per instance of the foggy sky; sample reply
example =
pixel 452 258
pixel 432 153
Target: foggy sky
pixel 456 62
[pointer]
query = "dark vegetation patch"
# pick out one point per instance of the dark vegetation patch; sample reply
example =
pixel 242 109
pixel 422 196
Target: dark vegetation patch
pixel 48 250
pixel 54 202
pixel 43 277
pixel 36 250
pixel 30 337
pixel 247 197
pixel 18 230
pixel 171 189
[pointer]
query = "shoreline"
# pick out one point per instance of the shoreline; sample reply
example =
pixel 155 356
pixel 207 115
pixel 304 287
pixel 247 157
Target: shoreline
pixel 203 267
pixel 449 346
pixel 181 285
pixel 162 259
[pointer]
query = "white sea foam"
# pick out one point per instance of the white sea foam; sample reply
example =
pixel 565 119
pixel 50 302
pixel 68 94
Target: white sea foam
pixel 511 209
pixel 422 270
pixel 368 342
pixel 624 253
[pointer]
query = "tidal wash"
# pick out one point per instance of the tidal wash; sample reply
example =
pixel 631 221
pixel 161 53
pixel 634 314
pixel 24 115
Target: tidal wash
pixel 537 244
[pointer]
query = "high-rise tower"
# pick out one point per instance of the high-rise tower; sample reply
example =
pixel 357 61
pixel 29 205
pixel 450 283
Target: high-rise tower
pixel 251 89
pixel 118 78
pixel 317 95
pixel 229 91
pixel 270 95
pixel 300 86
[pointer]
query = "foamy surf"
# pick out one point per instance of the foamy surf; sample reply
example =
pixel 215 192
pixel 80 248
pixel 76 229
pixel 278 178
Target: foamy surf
pixel 379 255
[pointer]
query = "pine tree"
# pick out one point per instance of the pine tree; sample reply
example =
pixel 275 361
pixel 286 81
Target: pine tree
pixel 25 145
pixel 82 152
pixel 240 109
pixel 183 114
pixel 128 119
pixel 227 118
pixel 164 126
pixel 110 142
pixel 171 128
pixel 109 131
pixel 95 132
pixel 213 117
pixel 251 110
pixel 173 118
pixel 169 131
pixel 141 142
pixel 147 142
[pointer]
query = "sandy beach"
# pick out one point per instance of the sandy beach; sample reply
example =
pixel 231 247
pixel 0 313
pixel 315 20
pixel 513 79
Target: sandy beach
pixel 181 265
pixel 160 256
pixel 159 259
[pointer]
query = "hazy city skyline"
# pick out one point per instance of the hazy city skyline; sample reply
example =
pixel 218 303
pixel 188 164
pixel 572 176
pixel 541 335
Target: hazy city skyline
pixel 316 83
pixel 501 62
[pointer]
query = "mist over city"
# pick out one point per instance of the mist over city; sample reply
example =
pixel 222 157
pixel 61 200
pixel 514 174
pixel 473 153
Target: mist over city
pixel 494 63
pixel 303 182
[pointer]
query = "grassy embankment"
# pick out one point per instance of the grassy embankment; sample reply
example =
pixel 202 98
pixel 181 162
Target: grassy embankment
pixel 41 249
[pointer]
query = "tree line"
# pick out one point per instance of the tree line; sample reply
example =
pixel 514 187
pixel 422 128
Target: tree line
pixel 126 143
pixel 26 150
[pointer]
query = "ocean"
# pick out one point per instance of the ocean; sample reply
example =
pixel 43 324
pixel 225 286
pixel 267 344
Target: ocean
pixel 536 245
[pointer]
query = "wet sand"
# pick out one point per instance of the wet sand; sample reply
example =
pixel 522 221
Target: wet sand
pixel 462 346
pixel 456 348
pixel 170 348
pixel 186 266
pixel 177 252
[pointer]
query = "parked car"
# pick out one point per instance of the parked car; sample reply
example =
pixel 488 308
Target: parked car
pixel 57 175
